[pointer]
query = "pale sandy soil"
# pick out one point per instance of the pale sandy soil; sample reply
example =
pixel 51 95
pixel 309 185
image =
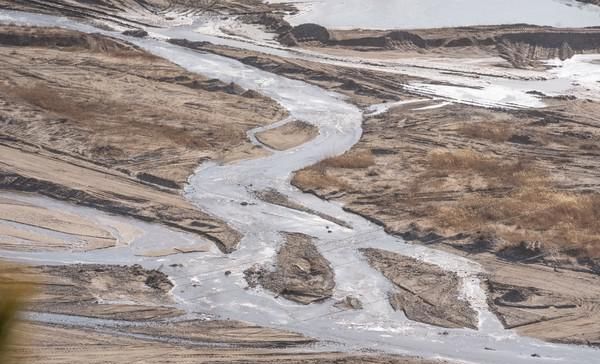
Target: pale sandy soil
pixel 125 129
pixel 101 291
pixel 287 136
pixel 559 306
pixel 75 233
pixel 392 183
pixel 54 344
pixel 87 184
pixel 221 331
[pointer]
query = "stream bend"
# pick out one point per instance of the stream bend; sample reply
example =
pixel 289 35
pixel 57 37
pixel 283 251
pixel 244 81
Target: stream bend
pixel 228 192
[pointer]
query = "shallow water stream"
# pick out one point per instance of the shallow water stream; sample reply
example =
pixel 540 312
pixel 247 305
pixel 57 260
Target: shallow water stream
pixel 227 191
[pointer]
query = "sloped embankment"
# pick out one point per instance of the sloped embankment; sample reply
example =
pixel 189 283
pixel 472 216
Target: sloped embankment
pixel 521 45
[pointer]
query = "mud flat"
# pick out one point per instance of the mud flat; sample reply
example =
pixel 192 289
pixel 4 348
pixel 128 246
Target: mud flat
pixel 425 292
pixel 559 306
pixel 100 291
pixel 484 183
pixel 118 150
pixel 222 189
pixel 287 136
pixel 301 274
pixel 364 87
pixel 53 231
pixel 54 344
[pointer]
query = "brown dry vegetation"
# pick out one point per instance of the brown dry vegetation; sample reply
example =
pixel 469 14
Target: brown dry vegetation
pixel 531 211
pixel 58 102
pixel 522 201
pixel 511 152
pixel 465 171
pixel 493 131
pixel 102 99
pixel 317 176
pixel 350 160
pixel 124 128
pixel 445 162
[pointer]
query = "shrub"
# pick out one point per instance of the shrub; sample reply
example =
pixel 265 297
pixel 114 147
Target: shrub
pixel 48 99
pixel 350 160
pixel 496 132
pixel 316 179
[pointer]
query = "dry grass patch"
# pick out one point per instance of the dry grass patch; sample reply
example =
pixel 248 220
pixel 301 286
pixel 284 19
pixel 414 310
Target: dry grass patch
pixel 350 160
pixel 58 102
pixel 532 211
pixel 184 136
pixel 464 162
pixel 495 132
pixel 317 176
pixel 558 221
pixel 99 110
pixel 132 54
pixel 460 160
pixel 48 99
pixel 314 179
